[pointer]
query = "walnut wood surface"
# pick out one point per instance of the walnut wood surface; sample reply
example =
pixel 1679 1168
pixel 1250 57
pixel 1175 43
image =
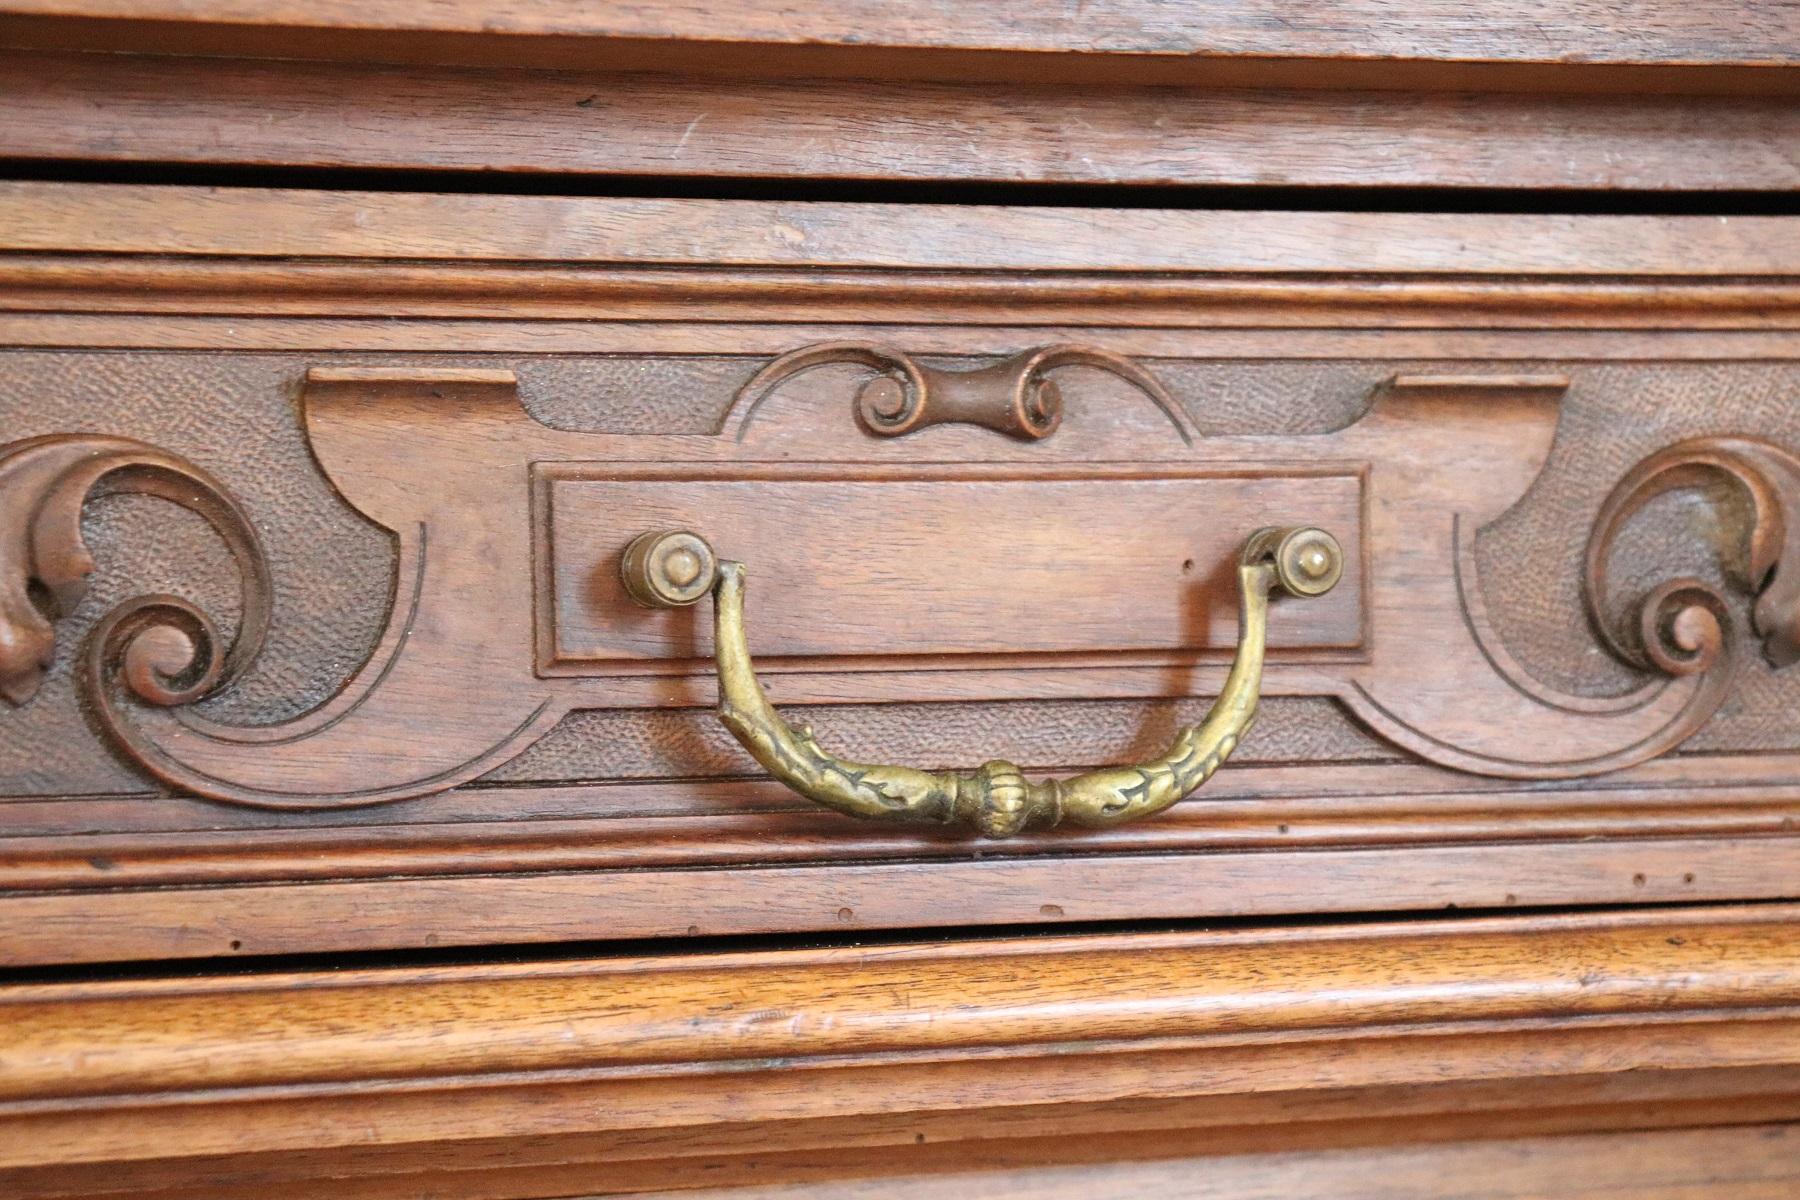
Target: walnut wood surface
pixel 826 1066
pixel 111 108
pixel 1642 42
pixel 276 223
pixel 634 332
pixel 401 435
pixel 1744 1163
pixel 1618 30
pixel 1114 563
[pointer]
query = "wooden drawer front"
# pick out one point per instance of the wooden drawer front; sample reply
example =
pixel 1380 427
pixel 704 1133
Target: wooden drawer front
pixel 1559 455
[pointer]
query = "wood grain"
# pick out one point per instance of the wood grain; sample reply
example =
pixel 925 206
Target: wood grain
pixel 1647 42
pixel 625 1074
pixel 1615 30
pixel 134 875
pixel 136 109
pixel 150 841
pixel 1001 554
pixel 1653 1053
pixel 373 297
pixel 278 223
pixel 473 909
pixel 1750 1163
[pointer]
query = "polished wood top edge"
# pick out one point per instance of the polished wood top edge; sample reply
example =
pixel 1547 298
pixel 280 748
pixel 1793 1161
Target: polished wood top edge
pixel 958 1002
pixel 702 61
pixel 1651 45
pixel 249 222
pixel 1422 931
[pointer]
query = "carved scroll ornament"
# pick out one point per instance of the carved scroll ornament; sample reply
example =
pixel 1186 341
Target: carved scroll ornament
pixel 507 532
pixel 1015 396
pixel 166 651
pixel 1680 625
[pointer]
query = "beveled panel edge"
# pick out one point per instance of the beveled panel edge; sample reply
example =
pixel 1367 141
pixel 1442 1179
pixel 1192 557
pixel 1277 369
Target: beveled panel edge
pixel 571 640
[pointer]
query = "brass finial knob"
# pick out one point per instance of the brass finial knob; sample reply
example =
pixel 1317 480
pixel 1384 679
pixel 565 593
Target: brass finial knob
pixel 668 568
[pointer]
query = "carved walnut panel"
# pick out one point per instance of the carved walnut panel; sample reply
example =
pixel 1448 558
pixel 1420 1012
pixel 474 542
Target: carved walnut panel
pixel 342 620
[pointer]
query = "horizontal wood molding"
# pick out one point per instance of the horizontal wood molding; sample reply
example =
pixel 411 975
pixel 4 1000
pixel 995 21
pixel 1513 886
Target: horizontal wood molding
pixel 113 265
pixel 167 841
pixel 1557 1023
pixel 258 112
pixel 1634 31
pixel 247 222
pixel 448 334
pixel 583 905
pixel 1751 1162
pixel 386 289
pixel 1644 45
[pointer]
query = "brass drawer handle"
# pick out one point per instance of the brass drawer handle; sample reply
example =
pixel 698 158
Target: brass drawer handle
pixel 674 568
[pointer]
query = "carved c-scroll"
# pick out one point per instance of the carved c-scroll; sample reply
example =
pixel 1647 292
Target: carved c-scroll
pixel 165 649
pixel 1014 396
pixel 1680 627
pixel 392 732
pixel 1470 705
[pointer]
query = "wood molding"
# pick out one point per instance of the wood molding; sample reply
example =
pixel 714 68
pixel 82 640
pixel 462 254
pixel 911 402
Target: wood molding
pixel 1644 46
pixel 596 1066
pixel 165 841
pixel 1755 31
pixel 259 223
pixel 121 108
pixel 387 290
pixel 359 914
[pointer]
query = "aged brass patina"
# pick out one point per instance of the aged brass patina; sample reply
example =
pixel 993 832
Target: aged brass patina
pixel 996 798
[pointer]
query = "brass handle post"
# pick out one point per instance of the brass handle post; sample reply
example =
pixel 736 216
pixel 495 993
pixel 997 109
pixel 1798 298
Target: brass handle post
pixel 995 798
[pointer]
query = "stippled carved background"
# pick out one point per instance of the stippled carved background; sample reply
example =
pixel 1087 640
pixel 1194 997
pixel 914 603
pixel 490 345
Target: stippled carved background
pixel 236 414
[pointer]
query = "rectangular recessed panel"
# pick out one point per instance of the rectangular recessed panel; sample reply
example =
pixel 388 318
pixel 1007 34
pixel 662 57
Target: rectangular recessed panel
pixel 941 564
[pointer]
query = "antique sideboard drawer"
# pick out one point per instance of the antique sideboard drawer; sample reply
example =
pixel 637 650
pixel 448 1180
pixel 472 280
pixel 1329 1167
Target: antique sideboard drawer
pixel 321 626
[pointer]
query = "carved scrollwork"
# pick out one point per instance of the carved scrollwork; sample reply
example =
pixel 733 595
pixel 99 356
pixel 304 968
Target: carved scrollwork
pixel 162 648
pixel 1680 626
pixel 385 736
pixel 1679 631
pixel 1468 703
pixel 461 680
pixel 1014 396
